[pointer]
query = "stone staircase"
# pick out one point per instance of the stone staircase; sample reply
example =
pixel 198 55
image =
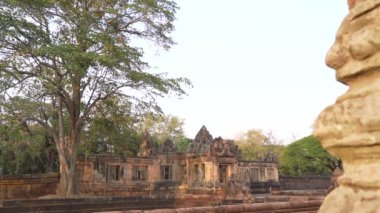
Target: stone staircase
pixel 86 205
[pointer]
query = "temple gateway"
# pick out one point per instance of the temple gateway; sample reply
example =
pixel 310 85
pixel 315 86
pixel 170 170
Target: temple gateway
pixel 212 165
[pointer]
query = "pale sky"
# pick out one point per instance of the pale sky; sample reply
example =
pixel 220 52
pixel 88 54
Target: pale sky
pixel 254 65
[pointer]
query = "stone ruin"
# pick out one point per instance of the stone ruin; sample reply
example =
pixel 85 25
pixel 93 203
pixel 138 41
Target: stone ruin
pixel 350 129
pixel 167 147
pixel 204 144
pixel 212 166
pixel 146 147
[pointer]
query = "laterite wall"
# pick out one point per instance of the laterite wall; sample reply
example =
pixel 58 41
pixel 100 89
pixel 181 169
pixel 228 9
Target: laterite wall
pixel 28 186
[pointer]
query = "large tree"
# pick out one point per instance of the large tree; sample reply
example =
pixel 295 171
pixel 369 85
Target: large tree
pixel 111 129
pixel 74 54
pixel 163 127
pixel 255 144
pixel 25 147
pixel 306 156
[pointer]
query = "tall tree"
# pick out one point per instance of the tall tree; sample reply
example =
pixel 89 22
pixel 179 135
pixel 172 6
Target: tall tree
pixel 255 144
pixel 111 129
pixel 78 53
pixel 26 148
pixel 162 127
pixel 307 157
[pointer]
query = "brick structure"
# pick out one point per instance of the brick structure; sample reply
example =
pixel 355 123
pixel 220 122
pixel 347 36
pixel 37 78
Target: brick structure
pixel 211 166
pixel 27 186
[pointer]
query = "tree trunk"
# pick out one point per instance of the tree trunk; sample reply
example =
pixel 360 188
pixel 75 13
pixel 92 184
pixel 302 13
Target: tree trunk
pixel 68 184
pixel 67 151
pixel 62 186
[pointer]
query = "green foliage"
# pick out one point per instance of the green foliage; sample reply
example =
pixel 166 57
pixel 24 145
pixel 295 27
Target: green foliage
pixel 26 150
pixel 61 46
pixel 183 144
pixel 256 144
pixel 111 130
pixel 162 127
pixel 25 147
pixel 116 129
pixel 307 157
pixel 74 55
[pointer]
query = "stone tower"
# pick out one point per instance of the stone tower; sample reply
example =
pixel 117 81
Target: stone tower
pixel 350 129
pixel 146 147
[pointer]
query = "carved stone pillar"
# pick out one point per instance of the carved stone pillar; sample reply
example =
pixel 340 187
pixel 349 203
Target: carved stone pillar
pixel 350 129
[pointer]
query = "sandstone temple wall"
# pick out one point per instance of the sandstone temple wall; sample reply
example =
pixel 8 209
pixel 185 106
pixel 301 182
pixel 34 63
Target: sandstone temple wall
pixel 160 173
pixel 258 171
pixel 27 186
pixel 211 165
pixel 304 182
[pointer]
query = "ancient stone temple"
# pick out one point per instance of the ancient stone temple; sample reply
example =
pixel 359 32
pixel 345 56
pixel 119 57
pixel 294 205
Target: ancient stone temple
pixel 146 147
pixel 350 129
pixel 212 165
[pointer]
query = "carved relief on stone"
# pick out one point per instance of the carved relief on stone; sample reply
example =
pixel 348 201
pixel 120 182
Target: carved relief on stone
pixel 167 147
pixel 270 157
pixel 204 144
pixel 350 129
pixel 146 148
pixel 226 148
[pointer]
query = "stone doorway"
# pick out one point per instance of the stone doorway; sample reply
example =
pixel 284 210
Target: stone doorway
pixel 223 169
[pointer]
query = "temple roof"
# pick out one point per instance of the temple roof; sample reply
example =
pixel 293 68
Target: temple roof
pixel 204 144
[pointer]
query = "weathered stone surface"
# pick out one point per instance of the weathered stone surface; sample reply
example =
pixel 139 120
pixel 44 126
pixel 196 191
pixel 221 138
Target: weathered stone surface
pixel 352 3
pixel 305 182
pixel 167 147
pixel 236 189
pixel 221 147
pixel 350 129
pixel 204 144
pixel 86 204
pixel 146 148
pixel 28 186
pixel 214 168
pixel 269 157
pixel 297 206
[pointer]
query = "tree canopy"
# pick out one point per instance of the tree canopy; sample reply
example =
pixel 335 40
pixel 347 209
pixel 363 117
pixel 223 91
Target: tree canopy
pixel 75 54
pixel 25 148
pixel 255 144
pixel 111 129
pixel 307 157
pixel 163 127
